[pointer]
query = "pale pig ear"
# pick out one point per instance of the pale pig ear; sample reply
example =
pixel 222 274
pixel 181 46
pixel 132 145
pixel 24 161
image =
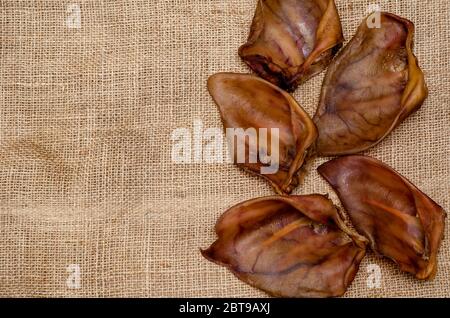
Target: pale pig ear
pixel 292 40
pixel 400 221
pixel 271 134
pixel 370 88
pixel 288 246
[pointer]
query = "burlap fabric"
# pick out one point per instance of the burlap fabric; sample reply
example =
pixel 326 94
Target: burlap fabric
pixel 86 117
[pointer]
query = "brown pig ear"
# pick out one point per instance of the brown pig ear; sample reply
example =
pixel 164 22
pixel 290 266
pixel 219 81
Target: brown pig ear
pixel 292 40
pixel 400 221
pixel 283 130
pixel 370 88
pixel 288 246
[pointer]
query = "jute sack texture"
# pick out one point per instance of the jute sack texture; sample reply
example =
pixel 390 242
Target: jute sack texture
pixel 91 203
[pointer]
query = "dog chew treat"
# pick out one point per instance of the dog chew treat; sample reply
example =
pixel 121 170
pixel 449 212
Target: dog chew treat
pixel 400 221
pixel 292 40
pixel 249 102
pixel 288 246
pixel 370 88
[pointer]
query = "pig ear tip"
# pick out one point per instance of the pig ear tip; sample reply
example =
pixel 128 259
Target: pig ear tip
pixel 212 78
pixel 205 252
pixel 321 167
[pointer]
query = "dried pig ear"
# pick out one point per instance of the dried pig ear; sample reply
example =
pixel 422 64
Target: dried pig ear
pixel 283 132
pixel 288 246
pixel 400 221
pixel 370 88
pixel 292 40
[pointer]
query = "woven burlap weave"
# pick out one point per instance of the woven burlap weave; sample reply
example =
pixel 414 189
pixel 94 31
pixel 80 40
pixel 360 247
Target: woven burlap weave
pixel 87 109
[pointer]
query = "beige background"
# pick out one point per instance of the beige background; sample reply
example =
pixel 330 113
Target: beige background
pixel 86 117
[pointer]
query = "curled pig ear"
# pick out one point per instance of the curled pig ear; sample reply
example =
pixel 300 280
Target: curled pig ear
pixel 370 88
pixel 288 246
pixel 270 134
pixel 400 221
pixel 292 40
